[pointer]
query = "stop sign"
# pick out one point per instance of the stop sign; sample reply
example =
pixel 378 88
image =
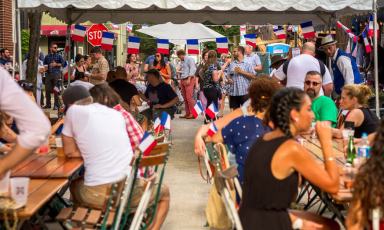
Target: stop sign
pixel 95 33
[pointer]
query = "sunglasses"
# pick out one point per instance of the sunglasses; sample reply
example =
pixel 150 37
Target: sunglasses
pixel 54 47
pixel 314 83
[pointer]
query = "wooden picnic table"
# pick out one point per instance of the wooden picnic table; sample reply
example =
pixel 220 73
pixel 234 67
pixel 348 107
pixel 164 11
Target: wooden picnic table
pixel 313 146
pixel 40 192
pixel 47 166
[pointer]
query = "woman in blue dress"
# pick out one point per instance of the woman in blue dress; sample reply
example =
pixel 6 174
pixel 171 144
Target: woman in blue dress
pixel 239 129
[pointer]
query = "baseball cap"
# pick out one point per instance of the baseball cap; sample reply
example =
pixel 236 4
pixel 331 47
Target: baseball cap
pixel 73 94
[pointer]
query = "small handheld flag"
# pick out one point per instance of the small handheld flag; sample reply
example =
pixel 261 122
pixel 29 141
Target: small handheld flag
pixel 197 109
pixel 147 143
pixel 133 46
pixel 211 111
pixel 279 32
pixel 308 30
pixel 163 46
pixel 222 45
pixel 367 45
pixel 250 39
pixel 129 27
pixel 340 25
pixel 165 120
pixel 212 129
pixel 107 40
pixel 114 26
pixel 78 33
pixel 193 46
pixel 157 126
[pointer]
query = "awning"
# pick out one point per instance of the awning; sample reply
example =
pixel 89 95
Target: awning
pixel 54 30
pixel 216 11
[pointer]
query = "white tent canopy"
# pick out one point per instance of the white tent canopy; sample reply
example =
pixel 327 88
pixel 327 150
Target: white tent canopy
pixel 178 33
pixel 181 11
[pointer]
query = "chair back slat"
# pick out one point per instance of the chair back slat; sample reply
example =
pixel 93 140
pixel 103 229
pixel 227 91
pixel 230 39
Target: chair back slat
pixel 160 148
pixel 153 160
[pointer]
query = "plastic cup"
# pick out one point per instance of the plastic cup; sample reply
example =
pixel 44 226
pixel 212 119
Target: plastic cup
pixel 4 183
pixel 19 190
pixel 59 147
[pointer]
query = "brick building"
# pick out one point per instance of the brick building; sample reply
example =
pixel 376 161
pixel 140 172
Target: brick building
pixel 6 24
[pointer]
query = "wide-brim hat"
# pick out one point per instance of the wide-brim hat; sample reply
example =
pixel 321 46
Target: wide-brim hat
pixel 327 40
pixel 276 59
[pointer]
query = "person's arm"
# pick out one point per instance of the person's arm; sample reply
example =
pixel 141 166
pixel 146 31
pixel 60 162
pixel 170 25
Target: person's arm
pixel 33 125
pixel 8 134
pixel 279 74
pixel 245 73
pixel 168 75
pixel 70 147
pixel 57 125
pixel 258 66
pixel 220 124
pixel 353 221
pixel 356 116
pixel 327 177
pixel 192 67
pixel 135 101
pixel 103 71
pixel 168 104
pixel 345 66
pixel 328 88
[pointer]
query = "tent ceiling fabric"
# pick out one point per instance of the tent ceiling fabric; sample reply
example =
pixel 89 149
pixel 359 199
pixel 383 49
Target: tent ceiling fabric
pixel 181 11
pixel 178 33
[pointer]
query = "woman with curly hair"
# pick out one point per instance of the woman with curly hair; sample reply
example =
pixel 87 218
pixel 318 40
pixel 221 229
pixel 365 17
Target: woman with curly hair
pixel 354 98
pixel 249 124
pixel 368 188
pixel 276 159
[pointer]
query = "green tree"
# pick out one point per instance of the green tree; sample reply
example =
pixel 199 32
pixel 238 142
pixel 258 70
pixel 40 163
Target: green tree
pixel 24 41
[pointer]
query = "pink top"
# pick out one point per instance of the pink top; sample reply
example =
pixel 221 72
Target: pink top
pixel 33 125
pixel 132 71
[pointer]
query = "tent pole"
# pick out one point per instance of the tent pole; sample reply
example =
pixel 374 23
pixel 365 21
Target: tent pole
pixel 68 43
pixel 14 40
pixel 20 53
pixel 375 59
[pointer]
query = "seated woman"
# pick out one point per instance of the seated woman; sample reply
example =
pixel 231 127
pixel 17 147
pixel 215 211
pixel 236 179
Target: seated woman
pixel 160 95
pixel 249 124
pixel 368 188
pixel 275 160
pixel 354 98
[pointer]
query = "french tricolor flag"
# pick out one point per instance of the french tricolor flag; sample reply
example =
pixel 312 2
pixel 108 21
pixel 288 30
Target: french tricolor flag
pixel 78 33
pixel 367 45
pixel 107 40
pixel 114 26
pixel 163 46
pixel 279 32
pixel 308 30
pixel 193 46
pixel 133 46
pixel 222 45
pixel 157 127
pixel 129 27
pixel 370 29
pixel 147 143
pixel 165 120
pixel 197 109
pixel 250 39
pixel 212 129
pixel 212 111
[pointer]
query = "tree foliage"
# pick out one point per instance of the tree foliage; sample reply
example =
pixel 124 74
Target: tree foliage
pixel 24 42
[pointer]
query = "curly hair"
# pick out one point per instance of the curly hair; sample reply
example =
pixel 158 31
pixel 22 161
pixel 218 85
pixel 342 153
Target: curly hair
pixel 368 188
pixel 261 92
pixel 281 106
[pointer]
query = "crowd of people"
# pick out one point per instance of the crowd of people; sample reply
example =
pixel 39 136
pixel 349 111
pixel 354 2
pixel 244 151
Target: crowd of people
pixel 107 111
pixel 274 110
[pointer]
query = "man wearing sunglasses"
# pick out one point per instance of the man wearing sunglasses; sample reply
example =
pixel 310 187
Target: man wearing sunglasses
pixel 53 63
pixel 322 106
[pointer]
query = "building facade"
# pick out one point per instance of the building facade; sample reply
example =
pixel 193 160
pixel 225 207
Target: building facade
pixel 6 24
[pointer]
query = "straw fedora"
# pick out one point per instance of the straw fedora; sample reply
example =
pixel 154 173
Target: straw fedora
pixel 327 40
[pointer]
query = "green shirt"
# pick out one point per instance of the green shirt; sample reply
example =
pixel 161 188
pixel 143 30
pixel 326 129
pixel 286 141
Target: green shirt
pixel 325 109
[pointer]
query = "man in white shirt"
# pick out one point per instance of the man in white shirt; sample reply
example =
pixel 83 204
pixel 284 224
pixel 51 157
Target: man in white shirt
pixel 296 69
pixel 98 135
pixel 252 58
pixel 33 125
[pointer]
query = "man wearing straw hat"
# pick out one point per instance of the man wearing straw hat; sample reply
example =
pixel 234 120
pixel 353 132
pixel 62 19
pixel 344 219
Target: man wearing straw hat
pixel 344 67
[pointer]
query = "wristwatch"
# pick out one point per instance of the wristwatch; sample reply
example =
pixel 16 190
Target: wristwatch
pixel 298 224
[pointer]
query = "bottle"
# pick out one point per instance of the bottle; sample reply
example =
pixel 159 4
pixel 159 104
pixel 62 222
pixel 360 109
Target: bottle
pixel 351 151
pixel 363 150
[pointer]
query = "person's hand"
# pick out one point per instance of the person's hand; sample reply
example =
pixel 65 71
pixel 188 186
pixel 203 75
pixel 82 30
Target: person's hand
pixel 324 131
pixel 307 224
pixel 229 81
pixel 199 141
pixel 158 106
pixel 238 70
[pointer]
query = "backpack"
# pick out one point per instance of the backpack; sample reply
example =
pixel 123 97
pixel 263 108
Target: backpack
pixel 322 67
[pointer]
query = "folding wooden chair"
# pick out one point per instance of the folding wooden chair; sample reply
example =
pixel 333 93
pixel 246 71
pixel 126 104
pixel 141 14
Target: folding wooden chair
pixel 90 218
pixel 142 216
